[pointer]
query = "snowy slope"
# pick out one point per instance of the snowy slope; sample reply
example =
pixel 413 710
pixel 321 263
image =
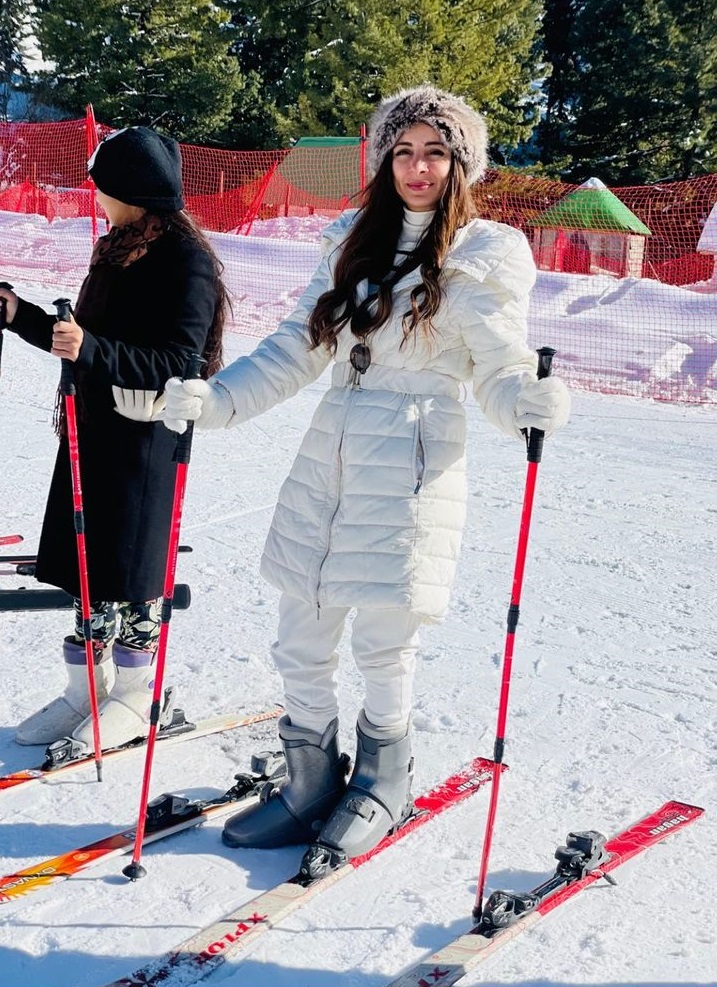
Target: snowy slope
pixel 612 711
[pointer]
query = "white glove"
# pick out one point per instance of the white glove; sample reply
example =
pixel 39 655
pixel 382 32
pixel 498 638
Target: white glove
pixel 140 406
pixel 543 404
pixel 208 405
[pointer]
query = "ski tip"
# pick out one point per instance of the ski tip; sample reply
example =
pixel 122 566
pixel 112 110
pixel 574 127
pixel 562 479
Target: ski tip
pixel 11 539
pixel 696 810
pixel 677 813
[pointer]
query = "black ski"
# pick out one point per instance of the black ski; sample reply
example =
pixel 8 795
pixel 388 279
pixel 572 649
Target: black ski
pixel 57 599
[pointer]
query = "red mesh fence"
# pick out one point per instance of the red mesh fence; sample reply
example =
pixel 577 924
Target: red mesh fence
pixel 626 291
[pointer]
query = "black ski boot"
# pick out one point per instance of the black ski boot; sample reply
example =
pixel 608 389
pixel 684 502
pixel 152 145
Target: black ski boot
pixel 378 797
pixel 294 810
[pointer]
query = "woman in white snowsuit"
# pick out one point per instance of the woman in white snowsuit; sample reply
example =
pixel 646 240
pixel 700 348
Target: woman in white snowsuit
pixel 414 299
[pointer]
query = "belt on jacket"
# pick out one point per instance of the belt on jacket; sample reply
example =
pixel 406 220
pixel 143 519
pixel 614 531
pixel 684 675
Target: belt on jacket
pixel 378 378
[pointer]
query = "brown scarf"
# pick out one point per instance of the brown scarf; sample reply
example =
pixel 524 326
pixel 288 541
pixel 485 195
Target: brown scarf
pixel 122 246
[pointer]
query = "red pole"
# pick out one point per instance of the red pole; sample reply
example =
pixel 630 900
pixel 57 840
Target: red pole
pixel 535 449
pixel 91 143
pixel 135 869
pixel 256 202
pixel 67 388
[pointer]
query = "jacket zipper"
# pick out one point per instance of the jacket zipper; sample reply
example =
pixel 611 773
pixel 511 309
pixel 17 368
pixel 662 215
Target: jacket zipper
pixel 419 455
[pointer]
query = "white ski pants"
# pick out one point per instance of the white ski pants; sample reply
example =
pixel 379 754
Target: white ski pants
pixel 384 645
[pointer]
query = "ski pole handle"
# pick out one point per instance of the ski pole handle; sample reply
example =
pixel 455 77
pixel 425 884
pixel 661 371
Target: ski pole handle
pixel 64 309
pixel 545 361
pixel 537 435
pixel 67 374
pixel 192 371
pixel 3 305
pixel 3 312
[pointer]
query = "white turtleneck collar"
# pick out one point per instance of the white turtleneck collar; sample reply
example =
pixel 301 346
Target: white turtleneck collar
pixel 415 225
pixel 418 220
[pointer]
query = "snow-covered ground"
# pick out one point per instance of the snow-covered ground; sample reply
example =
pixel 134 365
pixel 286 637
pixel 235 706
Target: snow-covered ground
pixel 612 710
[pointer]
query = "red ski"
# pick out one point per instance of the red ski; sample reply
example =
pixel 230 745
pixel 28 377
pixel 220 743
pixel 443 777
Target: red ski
pixel 586 858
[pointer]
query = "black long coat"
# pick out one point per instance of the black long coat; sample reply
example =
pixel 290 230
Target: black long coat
pixel 141 324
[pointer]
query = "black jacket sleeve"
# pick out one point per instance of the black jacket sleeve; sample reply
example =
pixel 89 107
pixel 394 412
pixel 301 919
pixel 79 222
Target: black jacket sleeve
pixel 33 324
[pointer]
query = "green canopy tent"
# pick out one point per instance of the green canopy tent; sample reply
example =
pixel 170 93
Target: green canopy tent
pixel 590 231
pixel 327 168
pixel 317 175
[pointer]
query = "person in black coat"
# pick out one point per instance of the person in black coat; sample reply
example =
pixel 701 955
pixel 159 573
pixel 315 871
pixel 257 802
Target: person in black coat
pixel 152 298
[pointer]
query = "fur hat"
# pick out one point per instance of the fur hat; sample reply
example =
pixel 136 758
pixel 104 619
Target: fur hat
pixel 139 167
pixel 461 128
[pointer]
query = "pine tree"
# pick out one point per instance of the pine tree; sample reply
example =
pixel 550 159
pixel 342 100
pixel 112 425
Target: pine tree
pixel 162 62
pixel 558 49
pixel 645 98
pixel 694 39
pixel 14 29
pixel 324 65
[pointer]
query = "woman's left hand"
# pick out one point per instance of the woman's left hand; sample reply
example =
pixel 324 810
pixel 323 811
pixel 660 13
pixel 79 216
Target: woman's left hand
pixel 66 340
pixel 543 404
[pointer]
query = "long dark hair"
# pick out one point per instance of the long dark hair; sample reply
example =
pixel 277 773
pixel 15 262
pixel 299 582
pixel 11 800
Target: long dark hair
pixel 213 348
pixel 369 252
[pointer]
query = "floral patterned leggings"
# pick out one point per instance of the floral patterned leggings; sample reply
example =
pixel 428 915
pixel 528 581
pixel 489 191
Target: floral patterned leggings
pixel 139 623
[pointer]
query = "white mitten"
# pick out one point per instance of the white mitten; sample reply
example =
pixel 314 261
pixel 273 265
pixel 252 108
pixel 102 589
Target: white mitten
pixel 140 406
pixel 207 405
pixel 543 404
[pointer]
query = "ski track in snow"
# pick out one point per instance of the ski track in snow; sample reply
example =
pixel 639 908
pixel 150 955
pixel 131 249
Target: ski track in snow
pixel 612 712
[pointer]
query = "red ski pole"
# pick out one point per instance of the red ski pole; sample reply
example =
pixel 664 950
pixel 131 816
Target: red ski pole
pixel 135 869
pixel 535 450
pixel 67 388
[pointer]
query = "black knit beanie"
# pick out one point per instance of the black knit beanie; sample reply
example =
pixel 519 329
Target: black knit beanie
pixel 139 167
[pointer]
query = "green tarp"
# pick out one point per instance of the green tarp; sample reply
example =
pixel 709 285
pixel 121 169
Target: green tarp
pixel 591 207
pixel 325 167
pixel 326 141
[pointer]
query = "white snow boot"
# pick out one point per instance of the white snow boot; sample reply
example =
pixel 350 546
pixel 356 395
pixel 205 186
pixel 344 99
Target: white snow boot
pixel 377 800
pixel 65 713
pixel 124 715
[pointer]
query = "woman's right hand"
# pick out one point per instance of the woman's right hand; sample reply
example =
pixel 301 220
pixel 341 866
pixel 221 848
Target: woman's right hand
pixel 208 405
pixel 10 300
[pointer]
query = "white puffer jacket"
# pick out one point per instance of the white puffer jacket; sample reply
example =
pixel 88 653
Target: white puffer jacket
pixel 372 512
